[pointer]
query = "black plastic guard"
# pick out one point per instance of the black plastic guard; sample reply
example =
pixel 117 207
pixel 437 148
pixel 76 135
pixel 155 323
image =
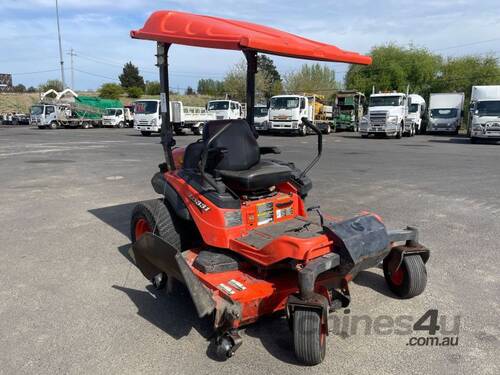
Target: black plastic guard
pixel 152 255
pixel 362 242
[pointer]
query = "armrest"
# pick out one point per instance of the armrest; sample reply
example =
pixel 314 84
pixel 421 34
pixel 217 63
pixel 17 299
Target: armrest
pixel 270 150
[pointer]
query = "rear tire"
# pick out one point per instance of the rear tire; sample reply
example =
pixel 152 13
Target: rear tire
pixel 309 336
pixel 53 125
pixel 410 279
pixel 145 134
pixel 153 216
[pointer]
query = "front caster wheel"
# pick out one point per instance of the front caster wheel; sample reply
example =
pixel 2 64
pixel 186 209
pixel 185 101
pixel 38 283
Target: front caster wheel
pixel 309 336
pixel 410 279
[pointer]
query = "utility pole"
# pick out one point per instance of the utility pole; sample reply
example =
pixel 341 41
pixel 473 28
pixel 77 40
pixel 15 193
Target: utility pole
pixel 72 53
pixel 60 46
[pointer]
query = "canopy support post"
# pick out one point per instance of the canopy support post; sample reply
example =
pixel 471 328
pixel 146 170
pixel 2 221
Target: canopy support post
pixel 166 134
pixel 251 57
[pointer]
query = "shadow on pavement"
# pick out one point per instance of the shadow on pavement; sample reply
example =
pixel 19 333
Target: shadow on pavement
pixel 117 217
pixel 173 313
pixel 373 281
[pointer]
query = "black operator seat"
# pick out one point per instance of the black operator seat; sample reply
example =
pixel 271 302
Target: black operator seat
pixel 238 160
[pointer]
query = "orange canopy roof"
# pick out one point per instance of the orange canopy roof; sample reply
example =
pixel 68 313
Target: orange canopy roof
pixel 174 27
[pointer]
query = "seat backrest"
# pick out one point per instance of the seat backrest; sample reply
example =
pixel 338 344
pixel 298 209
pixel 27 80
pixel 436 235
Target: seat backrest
pixel 242 149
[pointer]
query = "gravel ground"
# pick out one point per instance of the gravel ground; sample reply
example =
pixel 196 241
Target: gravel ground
pixel 71 302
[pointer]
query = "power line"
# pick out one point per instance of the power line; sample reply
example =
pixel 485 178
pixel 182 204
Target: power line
pixel 36 72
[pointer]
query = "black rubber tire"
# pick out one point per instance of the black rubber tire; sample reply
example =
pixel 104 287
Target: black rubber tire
pixel 198 130
pixel 328 130
pixel 145 134
pixel 308 340
pixel 120 125
pixel 53 125
pixel 473 140
pixel 414 277
pixel 41 127
pixel 364 135
pixel 178 132
pixel 160 219
pixel 302 131
pixel 400 133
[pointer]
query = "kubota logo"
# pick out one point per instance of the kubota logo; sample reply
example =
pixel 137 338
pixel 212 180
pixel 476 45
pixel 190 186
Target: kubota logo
pixel 202 206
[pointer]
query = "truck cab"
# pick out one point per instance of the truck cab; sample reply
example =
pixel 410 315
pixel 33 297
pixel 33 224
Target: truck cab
pixel 225 109
pixel 386 115
pixel 445 112
pixel 261 118
pixel 147 116
pixel 484 113
pixel 416 113
pixel 286 112
pixel 48 115
pixel 116 117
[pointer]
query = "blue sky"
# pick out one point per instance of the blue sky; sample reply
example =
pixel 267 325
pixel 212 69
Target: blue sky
pixel 98 31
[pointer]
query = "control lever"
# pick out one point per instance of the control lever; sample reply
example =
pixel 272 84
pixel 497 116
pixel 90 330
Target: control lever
pixel 318 211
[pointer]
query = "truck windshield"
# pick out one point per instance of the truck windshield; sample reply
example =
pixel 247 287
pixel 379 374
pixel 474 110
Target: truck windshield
pixel 413 108
pixel 284 102
pixel 215 106
pixel 37 110
pixel 110 112
pixel 488 108
pixel 444 113
pixel 260 111
pixel 146 107
pixel 385 101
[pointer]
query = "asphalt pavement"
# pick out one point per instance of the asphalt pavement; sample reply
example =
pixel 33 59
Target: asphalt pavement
pixel 71 302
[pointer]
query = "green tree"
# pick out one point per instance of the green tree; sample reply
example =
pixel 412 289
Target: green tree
pixel 53 84
pixel 311 79
pixel 135 92
pixel 19 88
pixel 272 79
pixel 459 74
pixel 153 88
pixel 210 87
pixel 394 68
pixel 31 89
pixel 110 91
pixel 235 83
pixel 130 76
pixel 190 91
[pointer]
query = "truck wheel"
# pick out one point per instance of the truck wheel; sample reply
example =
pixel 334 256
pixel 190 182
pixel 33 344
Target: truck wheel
pixel 364 135
pixel 473 140
pixel 146 134
pixel 85 125
pixel 178 131
pixel 41 127
pixel 198 130
pixel 309 336
pixel 53 125
pixel 120 125
pixel 302 130
pixel 328 130
pixel 410 279
pixel 399 133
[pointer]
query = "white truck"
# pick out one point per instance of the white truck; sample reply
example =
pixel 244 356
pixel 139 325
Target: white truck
pixel 261 118
pixel 51 116
pixel 286 113
pixel 417 110
pixel 225 109
pixel 445 112
pixel 484 118
pixel 117 117
pixel 147 117
pixel 386 115
pixel 186 117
